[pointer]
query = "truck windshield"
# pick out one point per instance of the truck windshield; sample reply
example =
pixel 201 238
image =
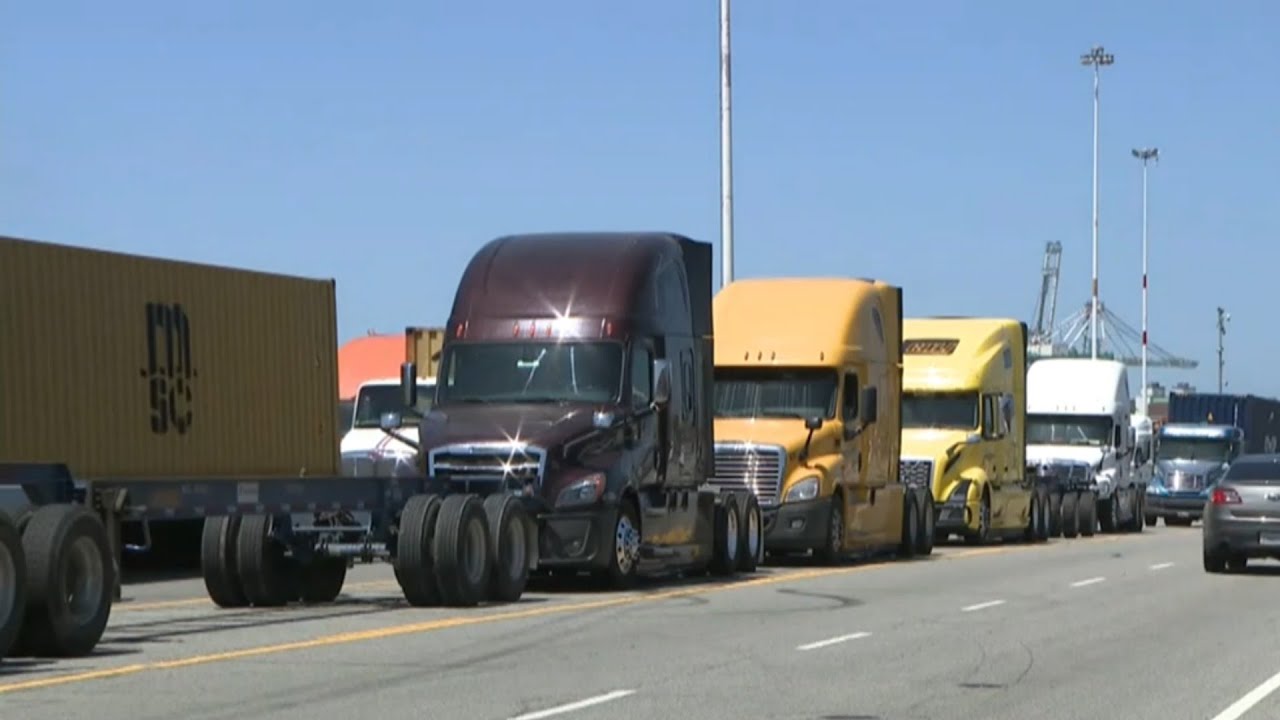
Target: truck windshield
pixel 775 393
pixel 533 372
pixel 1184 448
pixel 373 400
pixel 1092 430
pixel 940 410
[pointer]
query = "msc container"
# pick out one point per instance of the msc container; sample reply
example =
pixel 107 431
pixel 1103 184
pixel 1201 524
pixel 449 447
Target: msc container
pixel 133 367
pixel 422 346
pixel 1258 417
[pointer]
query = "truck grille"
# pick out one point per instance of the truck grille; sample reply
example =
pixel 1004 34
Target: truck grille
pixel 1182 482
pixel 916 472
pixel 1066 471
pixel 757 467
pixel 488 462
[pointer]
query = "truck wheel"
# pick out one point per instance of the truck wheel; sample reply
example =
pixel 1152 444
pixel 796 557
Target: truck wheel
pixel 833 550
pixel 1088 509
pixel 1108 512
pixel 1046 516
pixel 460 549
pixel 982 535
pixel 13 584
pixel 218 562
pixel 1136 524
pixel 928 526
pixel 511 544
pixel 624 551
pixel 1055 514
pixel 271 579
pixel 414 568
pixel 910 529
pixel 70 581
pixel 1033 519
pixel 1070 514
pixel 751 547
pixel 321 580
pixel 724 553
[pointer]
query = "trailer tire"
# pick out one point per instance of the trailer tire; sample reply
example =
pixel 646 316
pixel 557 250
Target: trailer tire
pixel 928 525
pixel 218 562
pixel 1046 517
pixel 751 545
pixel 13 584
pixel 512 544
pixel 70 582
pixel 728 536
pixel 460 550
pixel 1088 509
pixel 1070 514
pixel 271 579
pixel 414 562
pixel 1055 514
pixel 321 580
pixel 907 543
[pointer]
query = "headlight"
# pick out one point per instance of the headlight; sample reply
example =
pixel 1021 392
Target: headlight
pixel 806 489
pixel 582 492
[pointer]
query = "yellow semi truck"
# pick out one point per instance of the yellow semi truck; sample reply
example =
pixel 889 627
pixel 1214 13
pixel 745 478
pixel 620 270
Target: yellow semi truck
pixel 964 428
pixel 808 383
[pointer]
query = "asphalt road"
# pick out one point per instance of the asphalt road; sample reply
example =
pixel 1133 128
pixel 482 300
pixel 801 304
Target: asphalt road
pixel 1112 627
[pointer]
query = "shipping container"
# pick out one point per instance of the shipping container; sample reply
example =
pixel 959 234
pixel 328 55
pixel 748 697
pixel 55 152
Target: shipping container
pixel 1258 417
pixel 134 367
pixel 422 346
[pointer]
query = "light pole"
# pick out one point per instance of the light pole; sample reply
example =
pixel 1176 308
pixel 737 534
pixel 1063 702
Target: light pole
pixel 726 152
pixel 1146 155
pixel 1223 318
pixel 1096 58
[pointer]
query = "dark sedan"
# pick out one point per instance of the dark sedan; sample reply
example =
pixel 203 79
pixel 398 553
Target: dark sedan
pixel 1242 516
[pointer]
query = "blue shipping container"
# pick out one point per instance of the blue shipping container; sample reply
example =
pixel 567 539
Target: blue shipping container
pixel 1258 417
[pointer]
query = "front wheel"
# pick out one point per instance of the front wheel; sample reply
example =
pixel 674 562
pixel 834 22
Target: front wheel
pixel 928 526
pixel 833 550
pixel 983 534
pixel 624 557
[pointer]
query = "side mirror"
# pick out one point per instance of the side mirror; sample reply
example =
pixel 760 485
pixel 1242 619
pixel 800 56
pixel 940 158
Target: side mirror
pixel 391 420
pixel 408 385
pixel 661 382
pixel 868 405
pixel 813 424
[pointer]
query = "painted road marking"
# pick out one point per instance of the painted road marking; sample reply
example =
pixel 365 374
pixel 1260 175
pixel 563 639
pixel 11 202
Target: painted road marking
pixel 982 606
pixel 1238 708
pixel 426 626
pixel 1090 581
pixel 196 602
pixel 833 641
pixel 579 705
pixel 1161 566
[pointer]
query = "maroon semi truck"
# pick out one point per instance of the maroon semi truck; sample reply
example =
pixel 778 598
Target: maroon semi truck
pixel 576 375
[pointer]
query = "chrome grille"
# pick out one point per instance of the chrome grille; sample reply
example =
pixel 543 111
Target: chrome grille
pixel 1065 471
pixel 1181 481
pixel 758 467
pixel 916 472
pixel 490 462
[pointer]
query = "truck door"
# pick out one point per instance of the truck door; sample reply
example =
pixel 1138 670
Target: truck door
pixel 646 437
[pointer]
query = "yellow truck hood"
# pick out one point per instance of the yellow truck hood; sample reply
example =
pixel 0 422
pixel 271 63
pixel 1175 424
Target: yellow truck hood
pixel 928 444
pixel 787 432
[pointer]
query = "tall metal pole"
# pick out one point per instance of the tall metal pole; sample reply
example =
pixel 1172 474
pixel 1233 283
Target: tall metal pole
pixel 1145 155
pixel 726 151
pixel 1223 317
pixel 1096 57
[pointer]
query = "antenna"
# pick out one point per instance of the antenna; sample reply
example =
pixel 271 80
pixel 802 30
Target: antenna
pixel 1095 58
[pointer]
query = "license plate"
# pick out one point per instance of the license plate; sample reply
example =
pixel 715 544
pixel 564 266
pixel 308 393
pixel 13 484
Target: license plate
pixel 1184 514
pixel 1269 538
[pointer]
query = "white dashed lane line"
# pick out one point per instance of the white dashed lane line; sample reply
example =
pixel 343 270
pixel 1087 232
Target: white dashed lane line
pixel 1162 566
pixel 573 706
pixel 833 641
pixel 982 606
pixel 1089 581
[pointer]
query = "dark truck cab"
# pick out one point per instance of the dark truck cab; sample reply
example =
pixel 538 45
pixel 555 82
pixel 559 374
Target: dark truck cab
pixel 576 374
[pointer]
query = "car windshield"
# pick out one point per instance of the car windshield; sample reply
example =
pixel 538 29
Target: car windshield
pixel 1254 472
pixel 373 400
pixel 532 372
pixel 952 411
pixel 1089 430
pixel 775 393
pixel 1180 448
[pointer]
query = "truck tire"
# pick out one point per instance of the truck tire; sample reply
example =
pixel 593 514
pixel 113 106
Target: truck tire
pixel 1088 509
pixel 218 562
pixel 460 550
pixel 1108 512
pixel 1070 514
pixel 1055 514
pixel 269 577
pixel 751 547
pixel 321 579
pixel 833 550
pixel 907 544
pixel 1032 529
pixel 724 550
pixel 414 564
pixel 1046 516
pixel 982 535
pixel 70 582
pixel 511 544
pixel 1140 514
pixel 928 526
pixel 13 584
pixel 624 551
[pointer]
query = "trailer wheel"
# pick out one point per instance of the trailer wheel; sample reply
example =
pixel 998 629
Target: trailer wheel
pixel 928 525
pixel 460 550
pixel 13 584
pixel 218 562
pixel 751 545
pixel 1046 520
pixel 70 581
pixel 414 565
pixel 724 553
pixel 513 543
pixel 1088 509
pixel 910 528
pixel 321 580
pixel 1070 514
pixel 1055 514
pixel 271 579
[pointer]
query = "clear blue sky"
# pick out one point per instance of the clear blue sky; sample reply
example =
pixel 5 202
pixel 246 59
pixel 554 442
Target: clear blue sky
pixel 938 145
